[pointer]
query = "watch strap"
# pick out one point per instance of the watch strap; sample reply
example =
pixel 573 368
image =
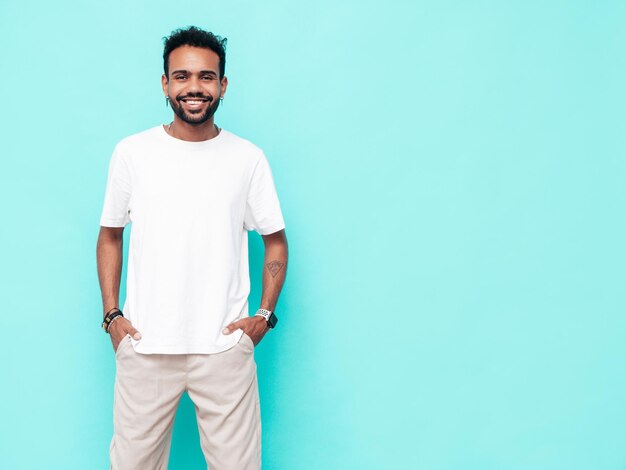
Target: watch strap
pixel 269 316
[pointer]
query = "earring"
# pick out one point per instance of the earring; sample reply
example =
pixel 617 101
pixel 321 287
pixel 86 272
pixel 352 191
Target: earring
pixel 167 101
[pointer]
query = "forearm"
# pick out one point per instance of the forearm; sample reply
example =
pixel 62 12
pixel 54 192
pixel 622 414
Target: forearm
pixel 274 268
pixel 109 258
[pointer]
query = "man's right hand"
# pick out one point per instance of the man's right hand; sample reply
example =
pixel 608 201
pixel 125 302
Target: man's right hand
pixel 119 329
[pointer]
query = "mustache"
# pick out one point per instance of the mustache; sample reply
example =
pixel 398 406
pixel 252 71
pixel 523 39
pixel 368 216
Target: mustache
pixel 188 96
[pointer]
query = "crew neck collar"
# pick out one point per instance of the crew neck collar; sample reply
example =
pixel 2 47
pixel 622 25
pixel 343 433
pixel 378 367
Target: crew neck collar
pixel 189 143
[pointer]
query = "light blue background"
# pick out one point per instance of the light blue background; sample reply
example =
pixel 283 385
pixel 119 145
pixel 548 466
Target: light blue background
pixel 452 178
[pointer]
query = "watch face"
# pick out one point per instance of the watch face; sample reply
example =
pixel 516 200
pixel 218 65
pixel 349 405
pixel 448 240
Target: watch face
pixel 272 320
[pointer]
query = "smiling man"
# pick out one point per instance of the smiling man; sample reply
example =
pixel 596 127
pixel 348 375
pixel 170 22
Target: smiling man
pixel 192 192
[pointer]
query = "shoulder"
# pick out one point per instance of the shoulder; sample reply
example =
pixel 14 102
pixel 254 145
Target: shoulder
pixel 243 147
pixel 138 141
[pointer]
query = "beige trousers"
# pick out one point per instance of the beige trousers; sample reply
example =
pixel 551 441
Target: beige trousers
pixel 223 388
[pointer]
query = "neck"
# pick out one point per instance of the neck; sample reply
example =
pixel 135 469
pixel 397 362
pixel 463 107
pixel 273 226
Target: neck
pixel 192 132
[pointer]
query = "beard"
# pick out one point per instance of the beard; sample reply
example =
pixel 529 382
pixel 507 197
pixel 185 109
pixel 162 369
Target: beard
pixel 196 118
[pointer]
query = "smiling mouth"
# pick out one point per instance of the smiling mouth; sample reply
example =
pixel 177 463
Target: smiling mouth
pixel 194 101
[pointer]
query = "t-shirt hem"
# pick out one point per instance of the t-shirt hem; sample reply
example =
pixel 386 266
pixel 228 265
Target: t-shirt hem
pixel 155 348
pixel 271 229
pixel 106 222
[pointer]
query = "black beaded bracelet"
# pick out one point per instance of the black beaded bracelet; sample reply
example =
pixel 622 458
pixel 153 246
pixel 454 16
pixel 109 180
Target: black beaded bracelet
pixel 113 318
pixel 111 314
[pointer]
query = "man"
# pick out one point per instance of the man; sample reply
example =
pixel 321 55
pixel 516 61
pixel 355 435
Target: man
pixel 192 192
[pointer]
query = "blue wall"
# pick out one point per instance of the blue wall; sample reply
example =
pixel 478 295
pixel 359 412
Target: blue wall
pixel 452 177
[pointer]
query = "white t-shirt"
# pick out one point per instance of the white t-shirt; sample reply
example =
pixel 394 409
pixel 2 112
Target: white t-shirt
pixel 191 205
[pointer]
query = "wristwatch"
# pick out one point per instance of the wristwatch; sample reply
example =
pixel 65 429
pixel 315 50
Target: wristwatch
pixel 269 316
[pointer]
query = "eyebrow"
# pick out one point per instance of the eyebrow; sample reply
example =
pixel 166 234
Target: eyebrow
pixel 202 72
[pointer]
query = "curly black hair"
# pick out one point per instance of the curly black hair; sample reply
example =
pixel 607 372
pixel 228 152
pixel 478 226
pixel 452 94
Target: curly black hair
pixel 195 37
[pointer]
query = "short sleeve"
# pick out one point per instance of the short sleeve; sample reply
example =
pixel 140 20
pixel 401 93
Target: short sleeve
pixel 116 210
pixel 263 212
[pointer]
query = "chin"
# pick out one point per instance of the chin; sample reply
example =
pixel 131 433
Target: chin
pixel 196 119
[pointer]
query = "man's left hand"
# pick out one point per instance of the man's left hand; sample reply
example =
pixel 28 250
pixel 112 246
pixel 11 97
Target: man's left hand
pixel 255 327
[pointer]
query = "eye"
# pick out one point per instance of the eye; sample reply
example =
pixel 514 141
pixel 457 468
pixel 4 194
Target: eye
pixel 180 77
pixel 207 77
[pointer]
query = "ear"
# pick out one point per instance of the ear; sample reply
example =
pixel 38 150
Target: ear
pixel 164 83
pixel 224 83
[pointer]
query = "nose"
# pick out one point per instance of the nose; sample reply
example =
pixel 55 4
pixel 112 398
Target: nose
pixel 194 84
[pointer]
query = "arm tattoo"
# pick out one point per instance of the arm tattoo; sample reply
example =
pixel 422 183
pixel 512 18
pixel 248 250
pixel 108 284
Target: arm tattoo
pixel 274 267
